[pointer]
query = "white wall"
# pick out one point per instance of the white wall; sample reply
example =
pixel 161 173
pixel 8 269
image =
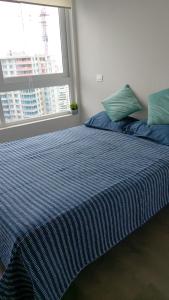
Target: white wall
pixel 125 40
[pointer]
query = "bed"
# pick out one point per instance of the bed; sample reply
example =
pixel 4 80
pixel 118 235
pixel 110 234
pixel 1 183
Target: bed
pixel 66 198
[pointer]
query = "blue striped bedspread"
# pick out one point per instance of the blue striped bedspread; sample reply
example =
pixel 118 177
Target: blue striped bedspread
pixel 66 198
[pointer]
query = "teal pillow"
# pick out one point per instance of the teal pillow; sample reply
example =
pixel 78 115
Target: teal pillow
pixel 158 108
pixel 121 104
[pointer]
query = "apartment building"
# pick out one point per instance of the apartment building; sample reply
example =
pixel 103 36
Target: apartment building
pixel 24 104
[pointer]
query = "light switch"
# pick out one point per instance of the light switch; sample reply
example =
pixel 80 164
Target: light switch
pixel 99 78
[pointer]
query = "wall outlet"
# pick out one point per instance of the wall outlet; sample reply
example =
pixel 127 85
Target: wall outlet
pixel 99 78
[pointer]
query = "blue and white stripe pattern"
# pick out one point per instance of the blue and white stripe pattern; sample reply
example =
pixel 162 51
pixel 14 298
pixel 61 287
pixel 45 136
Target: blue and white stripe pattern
pixel 68 197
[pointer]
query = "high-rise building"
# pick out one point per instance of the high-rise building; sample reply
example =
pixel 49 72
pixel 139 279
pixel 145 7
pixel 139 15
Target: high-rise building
pixel 37 102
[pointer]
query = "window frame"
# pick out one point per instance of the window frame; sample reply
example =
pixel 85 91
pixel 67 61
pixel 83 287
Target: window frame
pixel 44 80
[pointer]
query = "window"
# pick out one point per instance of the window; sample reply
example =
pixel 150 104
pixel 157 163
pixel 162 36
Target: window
pixel 35 49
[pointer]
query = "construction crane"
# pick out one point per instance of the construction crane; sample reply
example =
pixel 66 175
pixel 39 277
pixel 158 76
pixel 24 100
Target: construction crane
pixel 43 16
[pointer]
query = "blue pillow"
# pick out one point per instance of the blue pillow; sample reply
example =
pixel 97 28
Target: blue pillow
pixel 156 133
pixel 102 121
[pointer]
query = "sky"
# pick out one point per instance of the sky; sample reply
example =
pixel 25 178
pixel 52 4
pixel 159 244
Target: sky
pixel 21 30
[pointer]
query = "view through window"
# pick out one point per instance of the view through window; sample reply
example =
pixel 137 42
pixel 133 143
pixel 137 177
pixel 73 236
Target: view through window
pixel 31 45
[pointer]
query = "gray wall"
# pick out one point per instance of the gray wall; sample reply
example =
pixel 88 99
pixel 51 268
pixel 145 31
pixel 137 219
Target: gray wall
pixel 125 40
pixel 40 127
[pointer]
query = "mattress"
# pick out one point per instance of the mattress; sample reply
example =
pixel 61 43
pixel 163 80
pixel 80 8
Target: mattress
pixel 68 197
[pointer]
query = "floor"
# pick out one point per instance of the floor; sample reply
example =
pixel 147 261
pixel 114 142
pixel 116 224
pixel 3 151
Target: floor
pixel 136 269
pixel 1 269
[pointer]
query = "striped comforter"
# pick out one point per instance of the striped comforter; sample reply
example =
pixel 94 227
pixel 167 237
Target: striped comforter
pixel 68 197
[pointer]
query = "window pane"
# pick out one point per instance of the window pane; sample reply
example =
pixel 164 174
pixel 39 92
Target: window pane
pixel 34 103
pixel 30 43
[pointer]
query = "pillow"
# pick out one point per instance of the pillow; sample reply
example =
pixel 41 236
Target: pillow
pixel 156 133
pixel 121 104
pixel 158 108
pixel 102 121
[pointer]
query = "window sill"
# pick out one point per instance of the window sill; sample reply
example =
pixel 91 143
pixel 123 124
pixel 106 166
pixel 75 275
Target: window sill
pixel 30 129
pixel 36 121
